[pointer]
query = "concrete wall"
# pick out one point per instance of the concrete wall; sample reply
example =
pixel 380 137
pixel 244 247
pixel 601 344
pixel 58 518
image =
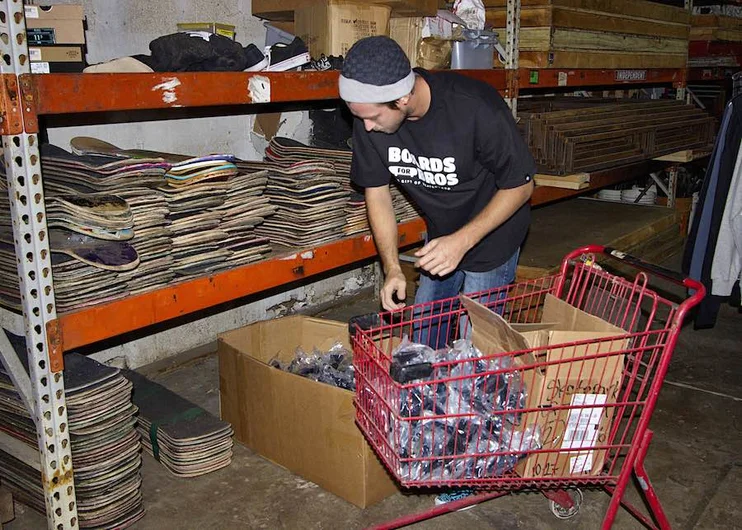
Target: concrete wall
pixel 120 28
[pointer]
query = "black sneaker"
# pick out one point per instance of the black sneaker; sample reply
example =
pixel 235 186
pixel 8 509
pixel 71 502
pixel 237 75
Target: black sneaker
pixel 325 63
pixel 256 60
pixel 287 56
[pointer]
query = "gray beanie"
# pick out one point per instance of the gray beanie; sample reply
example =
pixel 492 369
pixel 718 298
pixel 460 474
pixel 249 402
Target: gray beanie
pixel 375 70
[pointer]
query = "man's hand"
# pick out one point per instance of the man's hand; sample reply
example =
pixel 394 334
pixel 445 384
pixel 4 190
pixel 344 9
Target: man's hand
pixel 442 255
pixel 394 282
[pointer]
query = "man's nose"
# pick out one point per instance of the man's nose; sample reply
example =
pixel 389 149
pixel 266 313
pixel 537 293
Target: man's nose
pixel 369 125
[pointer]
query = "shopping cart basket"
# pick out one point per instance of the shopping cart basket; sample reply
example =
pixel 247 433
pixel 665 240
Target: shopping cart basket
pixel 555 417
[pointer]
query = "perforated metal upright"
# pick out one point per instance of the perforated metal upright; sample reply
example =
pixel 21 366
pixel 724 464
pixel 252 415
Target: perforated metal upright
pixel 43 390
pixel 511 52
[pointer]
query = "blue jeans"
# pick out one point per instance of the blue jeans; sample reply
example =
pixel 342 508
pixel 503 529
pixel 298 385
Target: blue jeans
pixel 436 329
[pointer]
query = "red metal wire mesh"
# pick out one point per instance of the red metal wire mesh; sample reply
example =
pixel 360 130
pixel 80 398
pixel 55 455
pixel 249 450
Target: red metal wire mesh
pixel 553 415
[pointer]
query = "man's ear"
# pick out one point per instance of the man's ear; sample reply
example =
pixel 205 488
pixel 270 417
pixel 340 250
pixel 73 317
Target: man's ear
pixel 403 101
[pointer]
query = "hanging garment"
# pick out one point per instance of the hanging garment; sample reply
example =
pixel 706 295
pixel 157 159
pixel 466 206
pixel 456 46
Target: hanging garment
pixel 726 266
pixel 702 240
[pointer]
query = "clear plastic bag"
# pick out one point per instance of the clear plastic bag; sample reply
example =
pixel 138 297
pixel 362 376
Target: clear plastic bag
pixel 333 367
pixel 460 415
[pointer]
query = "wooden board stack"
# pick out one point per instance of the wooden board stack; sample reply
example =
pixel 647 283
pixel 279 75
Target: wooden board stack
pixel 597 33
pixel 716 28
pixel 602 136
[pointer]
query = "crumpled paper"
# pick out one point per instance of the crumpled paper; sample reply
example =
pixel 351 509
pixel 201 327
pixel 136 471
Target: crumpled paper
pixel 471 12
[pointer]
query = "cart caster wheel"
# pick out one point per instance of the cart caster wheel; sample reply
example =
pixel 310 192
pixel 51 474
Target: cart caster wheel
pixel 567 513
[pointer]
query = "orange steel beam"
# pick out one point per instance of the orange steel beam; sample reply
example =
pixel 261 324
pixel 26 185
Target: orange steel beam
pixel 11 118
pixel 80 93
pixel 77 93
pixel 102 322
pixel 575 77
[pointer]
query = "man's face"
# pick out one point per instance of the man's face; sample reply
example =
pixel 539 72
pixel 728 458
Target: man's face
pixel 378 116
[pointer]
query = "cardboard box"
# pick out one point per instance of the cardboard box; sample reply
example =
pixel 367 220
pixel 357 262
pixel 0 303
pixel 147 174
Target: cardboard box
pixel 305 426
pixel 574 383
pixel 56 59
pixel 285 9
pixel 59 24
pixel 407 32
pixel 334 26
pixel 57 54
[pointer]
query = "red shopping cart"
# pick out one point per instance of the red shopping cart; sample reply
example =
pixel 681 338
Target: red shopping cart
pixel 555 416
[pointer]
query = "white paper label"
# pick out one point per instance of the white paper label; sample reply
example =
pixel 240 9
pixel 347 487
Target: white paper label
pixel 562 79
pixel 34 54
pixel 31 11
pixel 39 68
pixel 259 89
pixel 582 463
pixel 583 423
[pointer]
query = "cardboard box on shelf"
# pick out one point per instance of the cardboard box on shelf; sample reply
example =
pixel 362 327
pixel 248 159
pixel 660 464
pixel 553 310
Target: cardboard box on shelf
pixel 407 32
pixel 59 24
pixel 57 59
pixel 332 27
pixel 284 9
pixel 574 383
pixel 303 425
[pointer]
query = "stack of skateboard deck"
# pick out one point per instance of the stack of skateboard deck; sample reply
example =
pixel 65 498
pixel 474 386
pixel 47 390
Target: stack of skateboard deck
pixel 184 438
pixel 153 239
pixel 213 208
pixel 105 445
pixel 246 206
pixel 310 200
pixel 79 283
pixel 286 151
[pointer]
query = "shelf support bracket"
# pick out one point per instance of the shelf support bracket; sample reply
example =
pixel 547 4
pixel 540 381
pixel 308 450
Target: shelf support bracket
pixel 16 371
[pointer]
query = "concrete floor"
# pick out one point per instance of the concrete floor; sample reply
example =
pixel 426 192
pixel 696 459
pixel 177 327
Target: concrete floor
pixel 694 461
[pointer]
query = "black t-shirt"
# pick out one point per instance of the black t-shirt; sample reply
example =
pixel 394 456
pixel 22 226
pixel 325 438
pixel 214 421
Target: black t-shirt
pixel 452 161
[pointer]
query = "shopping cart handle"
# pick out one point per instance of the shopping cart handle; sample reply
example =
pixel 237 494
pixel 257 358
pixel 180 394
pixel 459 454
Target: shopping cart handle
pixel 638 263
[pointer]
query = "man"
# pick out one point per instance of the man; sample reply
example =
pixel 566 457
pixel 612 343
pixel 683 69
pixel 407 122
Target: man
pixel 451 143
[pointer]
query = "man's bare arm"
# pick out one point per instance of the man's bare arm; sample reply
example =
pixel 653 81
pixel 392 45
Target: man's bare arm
pixel 384 227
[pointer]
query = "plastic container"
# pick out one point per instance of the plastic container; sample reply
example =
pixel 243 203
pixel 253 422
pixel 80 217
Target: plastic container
pixel 475 52
pixel 274 35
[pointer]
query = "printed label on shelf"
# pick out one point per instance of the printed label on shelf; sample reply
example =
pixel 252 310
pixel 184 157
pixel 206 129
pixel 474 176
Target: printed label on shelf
pixel 31 11
pixel 562 80
pixel 582 463
pixel 40 68
pixel 631 75
pixel 583 423
pixel 34 54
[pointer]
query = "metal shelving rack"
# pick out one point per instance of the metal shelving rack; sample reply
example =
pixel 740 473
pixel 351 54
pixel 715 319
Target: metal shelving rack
pixel 24 97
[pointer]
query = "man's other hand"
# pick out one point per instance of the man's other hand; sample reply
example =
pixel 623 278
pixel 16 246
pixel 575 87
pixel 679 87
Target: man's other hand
pixel 442 255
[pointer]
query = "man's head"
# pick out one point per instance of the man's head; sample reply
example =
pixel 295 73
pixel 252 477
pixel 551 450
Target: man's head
pixel 377 82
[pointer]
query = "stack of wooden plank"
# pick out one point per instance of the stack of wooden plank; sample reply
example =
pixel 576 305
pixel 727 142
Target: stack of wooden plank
pixel 716 28
pixel 603 136
pixel 597 33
